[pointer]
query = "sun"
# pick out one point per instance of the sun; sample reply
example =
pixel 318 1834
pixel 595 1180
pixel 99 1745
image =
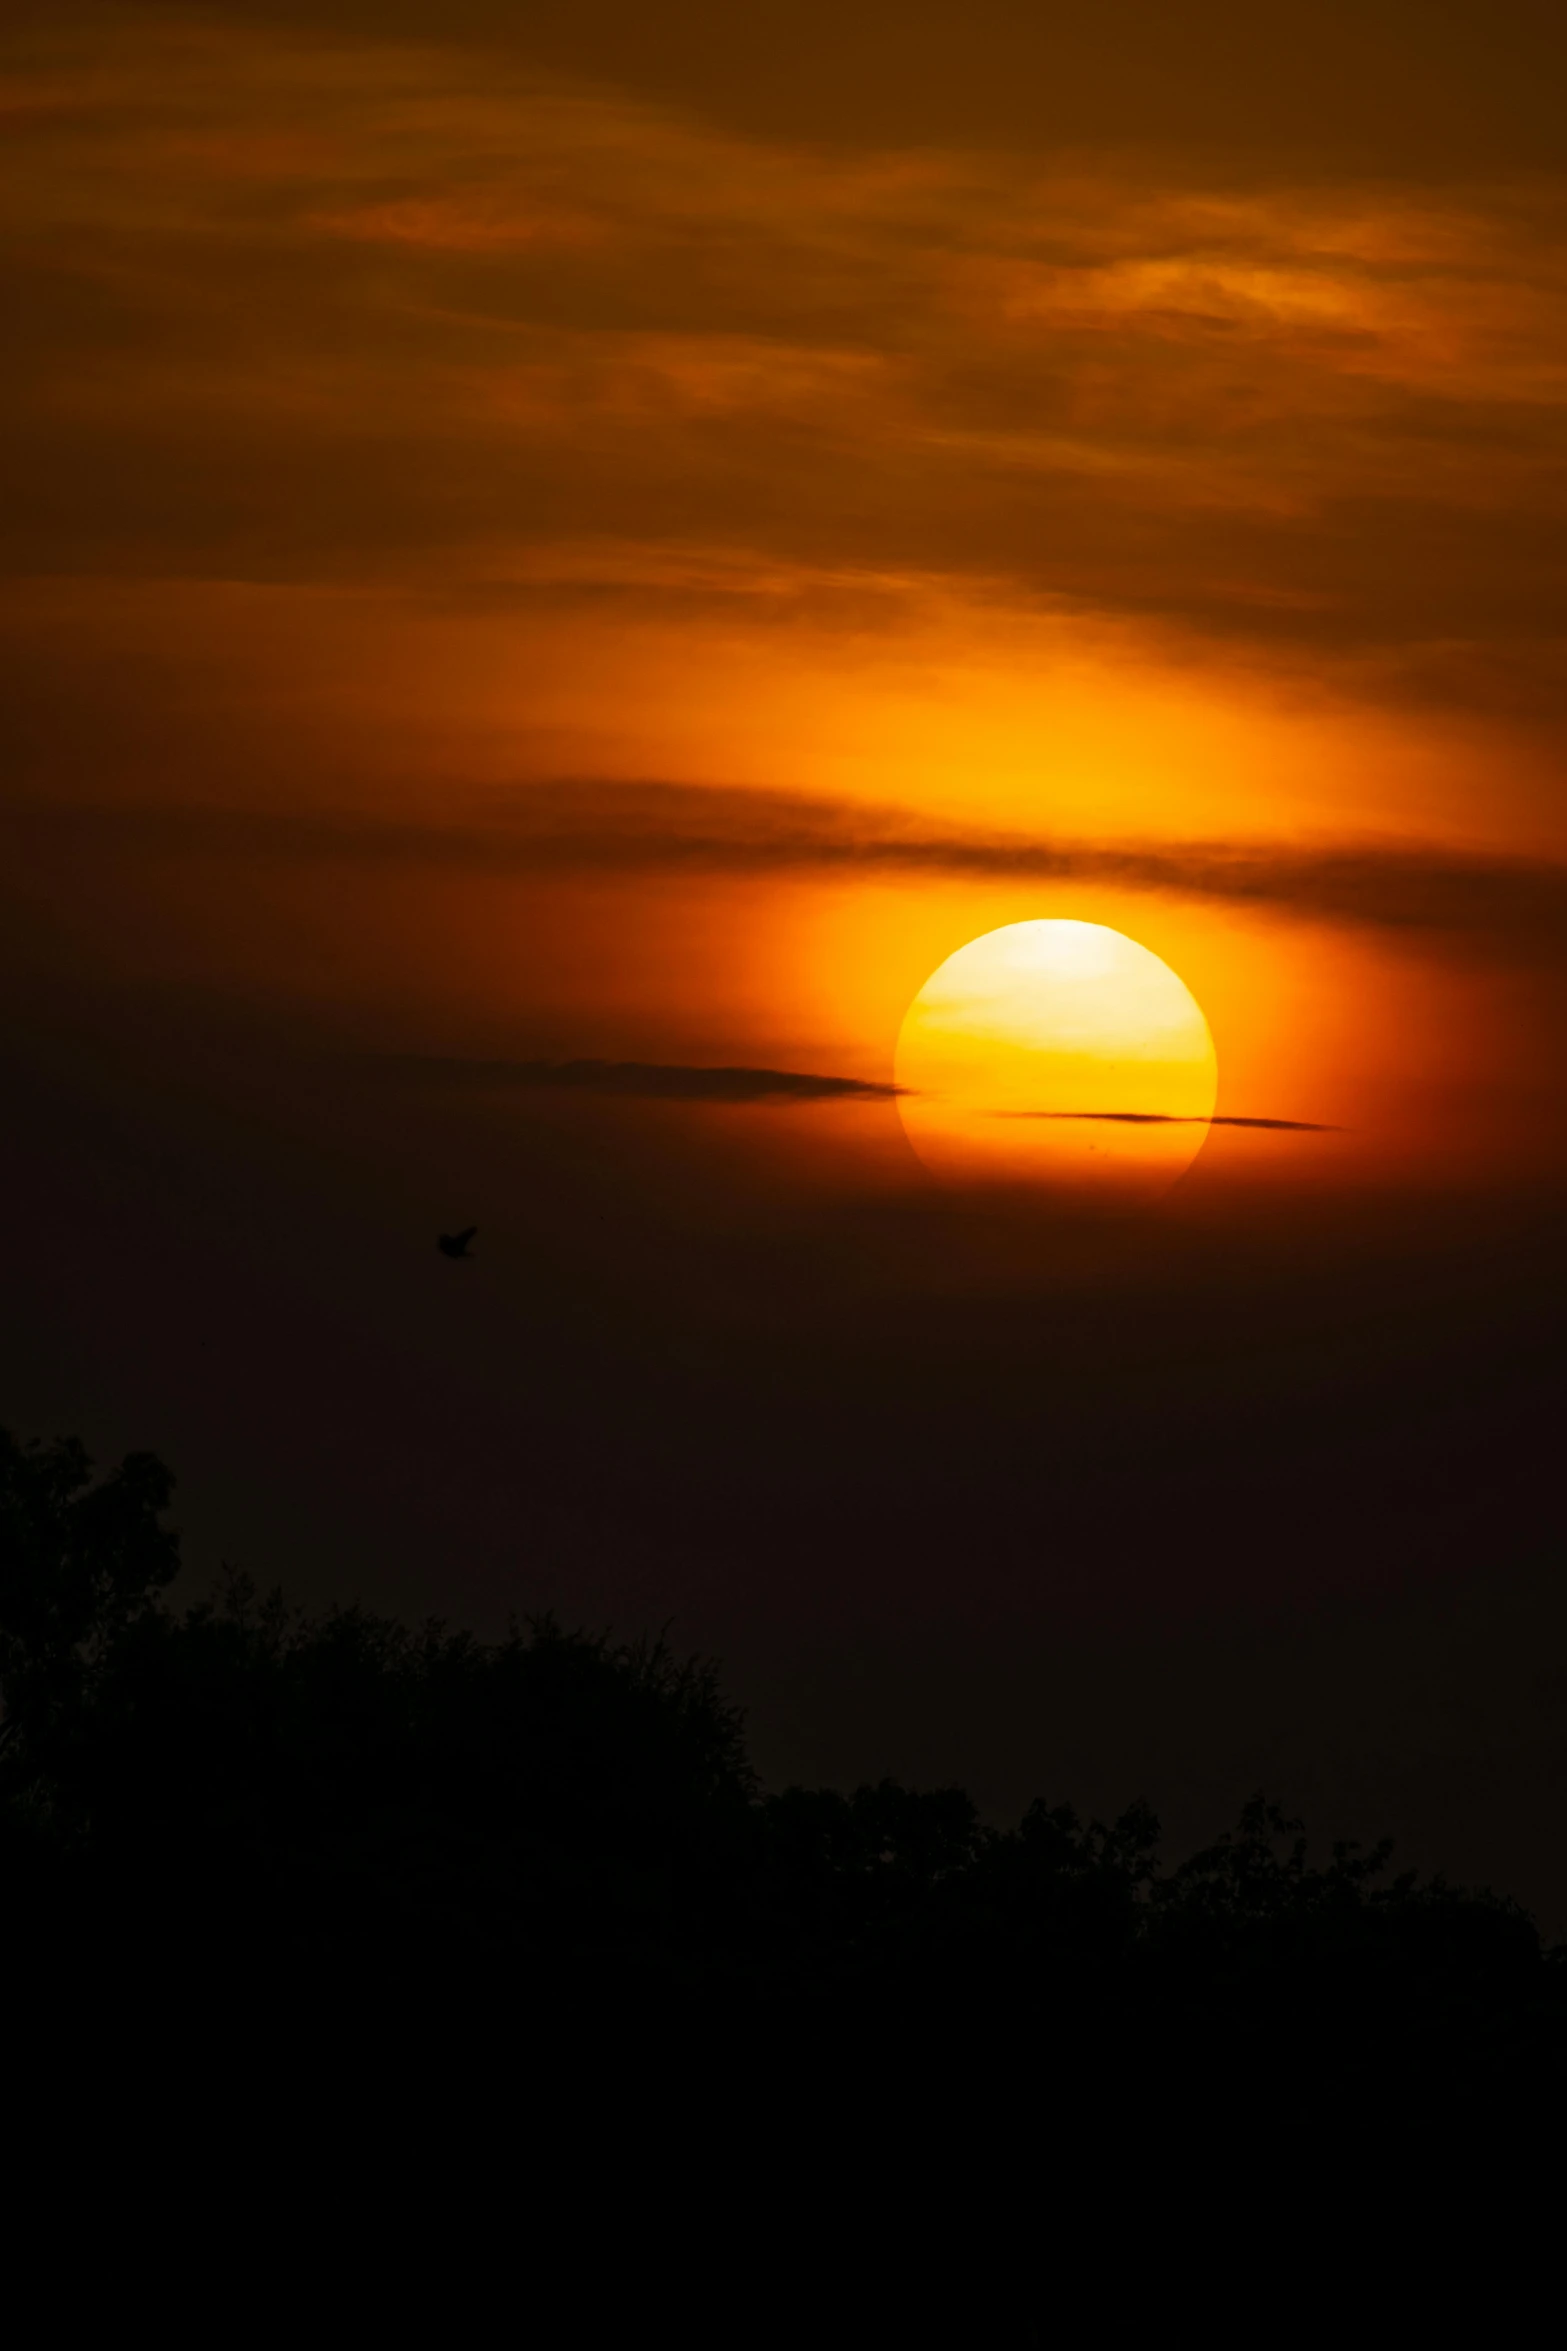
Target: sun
pixel 1057 1056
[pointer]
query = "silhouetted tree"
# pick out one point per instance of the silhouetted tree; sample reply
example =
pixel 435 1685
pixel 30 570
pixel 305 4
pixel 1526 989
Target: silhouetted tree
pixel 247 1794
pixel 79 1563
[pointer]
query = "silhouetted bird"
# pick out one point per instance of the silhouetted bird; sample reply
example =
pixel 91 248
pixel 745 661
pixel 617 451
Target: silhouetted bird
pixel 456 1244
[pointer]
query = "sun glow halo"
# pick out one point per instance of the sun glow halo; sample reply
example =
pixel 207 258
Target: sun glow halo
pixel 1057 1055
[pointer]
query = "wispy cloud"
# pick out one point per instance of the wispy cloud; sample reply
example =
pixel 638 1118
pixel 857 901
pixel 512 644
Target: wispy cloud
pixel 648 1081
pixel 485 314
pixel 1507 904
pixel 662 1081
pixel 1167 1118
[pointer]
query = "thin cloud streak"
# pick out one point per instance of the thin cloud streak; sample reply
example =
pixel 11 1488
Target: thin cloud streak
pixel 648 1081
pixel 1170 1118
pixel 661 1081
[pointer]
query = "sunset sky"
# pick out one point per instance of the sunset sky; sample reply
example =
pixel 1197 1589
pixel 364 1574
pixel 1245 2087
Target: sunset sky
pixel 545 535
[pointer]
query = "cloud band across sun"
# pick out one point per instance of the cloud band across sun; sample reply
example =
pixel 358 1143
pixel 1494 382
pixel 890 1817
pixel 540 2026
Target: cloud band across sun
pixel 650 1081
pixel 1515 905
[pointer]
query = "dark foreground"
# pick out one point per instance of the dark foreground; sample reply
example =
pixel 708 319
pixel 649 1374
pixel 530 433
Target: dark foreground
pixel 236 1803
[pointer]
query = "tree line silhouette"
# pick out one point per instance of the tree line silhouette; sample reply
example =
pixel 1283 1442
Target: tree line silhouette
pixel 341 1798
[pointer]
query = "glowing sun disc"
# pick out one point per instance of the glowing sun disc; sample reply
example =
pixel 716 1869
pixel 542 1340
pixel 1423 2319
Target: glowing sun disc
pixel 1060 1056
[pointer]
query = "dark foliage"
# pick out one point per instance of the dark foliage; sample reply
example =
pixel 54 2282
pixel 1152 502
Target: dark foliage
pixel 241 1795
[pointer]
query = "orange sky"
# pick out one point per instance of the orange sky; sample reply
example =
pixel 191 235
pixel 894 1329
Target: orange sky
pixel 537 532
pixel 428 445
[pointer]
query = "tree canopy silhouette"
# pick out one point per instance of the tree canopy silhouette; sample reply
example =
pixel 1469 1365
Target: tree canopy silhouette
pixel 344 1798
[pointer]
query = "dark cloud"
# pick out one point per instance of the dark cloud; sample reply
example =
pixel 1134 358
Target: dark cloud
pixel 657 1081
pixel 650 1081
pixel 487 317
pixel 1510 904
pixel 1163 1118
pixel 1258 86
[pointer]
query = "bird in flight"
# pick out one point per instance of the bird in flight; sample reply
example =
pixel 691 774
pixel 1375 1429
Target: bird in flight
pixel 456 1244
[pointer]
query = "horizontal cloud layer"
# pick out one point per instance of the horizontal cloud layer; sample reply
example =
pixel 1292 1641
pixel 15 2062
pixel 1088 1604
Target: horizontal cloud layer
pixel 1164 1118
pixel 1515 905
pixel 613 336
pixel 648 1081
pixel 658 1081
